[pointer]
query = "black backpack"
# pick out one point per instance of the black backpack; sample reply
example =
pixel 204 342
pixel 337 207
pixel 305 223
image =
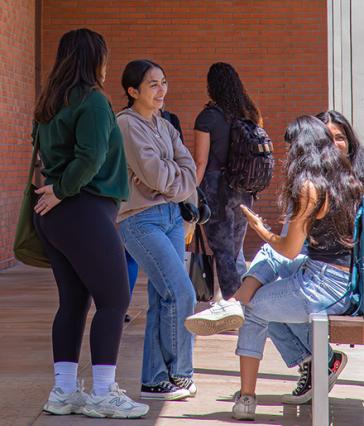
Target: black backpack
pixel 250 161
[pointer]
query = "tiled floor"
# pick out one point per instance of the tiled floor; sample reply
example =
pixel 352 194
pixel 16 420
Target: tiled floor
pixel 27 305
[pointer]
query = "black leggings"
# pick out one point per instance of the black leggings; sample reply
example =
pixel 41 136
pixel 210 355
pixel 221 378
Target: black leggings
pixel 88 261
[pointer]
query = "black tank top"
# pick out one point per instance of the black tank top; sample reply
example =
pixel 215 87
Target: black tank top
pixel 323 245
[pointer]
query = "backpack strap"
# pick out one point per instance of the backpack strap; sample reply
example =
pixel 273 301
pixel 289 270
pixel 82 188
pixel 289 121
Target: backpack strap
pixel 357 261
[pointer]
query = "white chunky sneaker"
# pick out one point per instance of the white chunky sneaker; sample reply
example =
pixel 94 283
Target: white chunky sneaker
pixel 185 383
pixel 244 408
pixel 222 316
pixel 62 403
pixel 115 404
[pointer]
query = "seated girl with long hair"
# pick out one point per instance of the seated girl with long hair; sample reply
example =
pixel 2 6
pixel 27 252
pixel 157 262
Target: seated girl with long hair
pixel 294 341
pixel 322 193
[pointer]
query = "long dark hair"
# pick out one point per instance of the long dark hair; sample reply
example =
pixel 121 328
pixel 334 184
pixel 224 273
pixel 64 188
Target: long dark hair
pixel 134 73
pixel 227 91
pixel 80 55
pixel 356 150
pixel 313 157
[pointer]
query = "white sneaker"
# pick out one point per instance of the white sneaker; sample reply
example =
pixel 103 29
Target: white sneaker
pixel 222 316
pixel 244 408
pixel 185 383
pixel 62 403
pixel 115 404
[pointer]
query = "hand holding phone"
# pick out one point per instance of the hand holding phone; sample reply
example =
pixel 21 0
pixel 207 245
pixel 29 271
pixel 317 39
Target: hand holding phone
pixel 253 218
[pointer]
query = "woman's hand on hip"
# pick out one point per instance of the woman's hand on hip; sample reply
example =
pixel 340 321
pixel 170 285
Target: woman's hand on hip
pixel 47 201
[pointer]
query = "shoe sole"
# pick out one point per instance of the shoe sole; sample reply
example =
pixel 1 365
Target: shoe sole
pixel 62 411
pixel 205 327
pixel 245 417
pixel 102 415
pixel 159 397
pixel 298 400
pixel 304 399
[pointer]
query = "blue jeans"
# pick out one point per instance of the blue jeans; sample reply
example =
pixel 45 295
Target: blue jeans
pixel 293 341
pixel 133 270
pixel 241 263
pixel 155 238
pixel 291 290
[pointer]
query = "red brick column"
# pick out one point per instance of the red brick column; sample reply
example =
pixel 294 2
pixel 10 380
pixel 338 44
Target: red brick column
pixel 17 80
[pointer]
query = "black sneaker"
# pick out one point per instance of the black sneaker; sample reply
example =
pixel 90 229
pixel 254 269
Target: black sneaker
pixel 303 392
pixel 127 318
pixel 336 366
pixel 164 391
pixel 185 383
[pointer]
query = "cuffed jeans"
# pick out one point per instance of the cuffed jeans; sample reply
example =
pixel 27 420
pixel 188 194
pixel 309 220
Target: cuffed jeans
pixel 155 238
pixel 291 290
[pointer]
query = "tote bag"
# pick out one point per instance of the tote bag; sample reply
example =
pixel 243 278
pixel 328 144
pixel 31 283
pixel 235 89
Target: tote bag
pixel 27 245
pixel 200 267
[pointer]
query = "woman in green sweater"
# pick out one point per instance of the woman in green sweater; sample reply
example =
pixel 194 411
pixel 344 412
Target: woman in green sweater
pixel 85 179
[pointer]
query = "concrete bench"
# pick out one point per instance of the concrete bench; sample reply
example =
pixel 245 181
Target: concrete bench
pixel 340 329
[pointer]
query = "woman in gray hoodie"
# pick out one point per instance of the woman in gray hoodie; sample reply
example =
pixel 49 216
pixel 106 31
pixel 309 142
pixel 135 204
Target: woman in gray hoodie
pixel 161 174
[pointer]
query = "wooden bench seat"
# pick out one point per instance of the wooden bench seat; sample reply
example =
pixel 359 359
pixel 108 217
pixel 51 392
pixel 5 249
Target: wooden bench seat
pixel 346 330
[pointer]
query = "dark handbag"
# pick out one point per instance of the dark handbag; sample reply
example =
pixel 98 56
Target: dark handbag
pixel 28 247
pixel 201 269
pixel 196 214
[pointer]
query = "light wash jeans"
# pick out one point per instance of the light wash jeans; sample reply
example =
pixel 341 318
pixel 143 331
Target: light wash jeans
pixel 155 239
pixel 291 290
pixel 293 341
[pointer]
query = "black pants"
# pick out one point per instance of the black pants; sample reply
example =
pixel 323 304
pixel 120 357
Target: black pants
pixel 88 262
pixel 226 229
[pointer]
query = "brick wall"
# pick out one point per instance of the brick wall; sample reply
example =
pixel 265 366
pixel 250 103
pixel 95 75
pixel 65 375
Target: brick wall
pixel 16 103
pixel 278 46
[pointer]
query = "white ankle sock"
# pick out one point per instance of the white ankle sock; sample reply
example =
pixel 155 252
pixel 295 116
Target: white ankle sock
pixel 65 376
pixel 103 377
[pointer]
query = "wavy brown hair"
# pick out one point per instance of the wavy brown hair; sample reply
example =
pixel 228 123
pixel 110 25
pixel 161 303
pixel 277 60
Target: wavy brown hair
pixel 313 157
pixel 227 91
pixel 355 148
pixel 80 55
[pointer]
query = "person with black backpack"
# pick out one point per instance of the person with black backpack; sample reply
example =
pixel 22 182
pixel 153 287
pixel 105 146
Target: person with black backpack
pixel 234 162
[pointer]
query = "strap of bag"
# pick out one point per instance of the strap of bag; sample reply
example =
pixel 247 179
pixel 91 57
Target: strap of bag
pixel 200 244
pixel 34 156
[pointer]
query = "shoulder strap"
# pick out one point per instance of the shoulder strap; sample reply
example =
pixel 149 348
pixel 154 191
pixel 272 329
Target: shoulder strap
pixel 166 115
pixel 199 242
pixel 356 260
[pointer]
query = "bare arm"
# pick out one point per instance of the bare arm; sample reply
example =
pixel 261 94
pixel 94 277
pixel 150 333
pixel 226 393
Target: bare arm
pixel 291 244
pixel 201 153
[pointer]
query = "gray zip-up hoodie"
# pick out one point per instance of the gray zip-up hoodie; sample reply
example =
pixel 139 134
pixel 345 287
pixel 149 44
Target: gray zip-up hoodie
pixel 160 167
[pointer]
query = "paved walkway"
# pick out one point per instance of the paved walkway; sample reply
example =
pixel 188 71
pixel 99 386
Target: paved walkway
pixel 27 305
